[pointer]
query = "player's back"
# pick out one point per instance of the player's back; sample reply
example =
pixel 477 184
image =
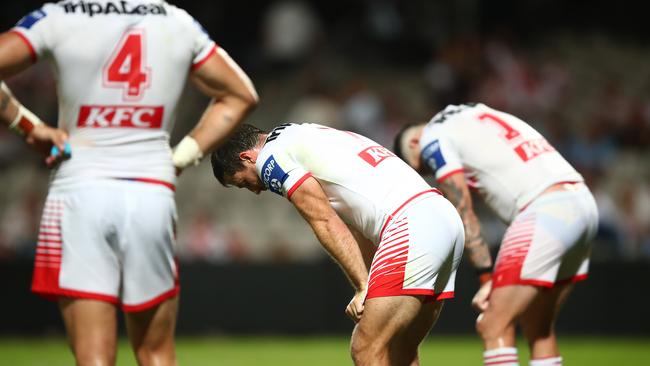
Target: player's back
pixel 364 181
pixel 506 159
pixel 120 67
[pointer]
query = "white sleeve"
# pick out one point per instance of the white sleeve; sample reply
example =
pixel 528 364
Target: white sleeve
pixel 202 45
pixel 280 173
pixel 35 29
pixel 439 153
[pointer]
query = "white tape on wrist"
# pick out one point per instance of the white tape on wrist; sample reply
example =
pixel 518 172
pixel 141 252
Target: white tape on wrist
pixel 24 122
pixel 187 153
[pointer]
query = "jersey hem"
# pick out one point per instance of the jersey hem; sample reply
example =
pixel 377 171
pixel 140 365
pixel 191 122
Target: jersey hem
pixel 297 184
pixel 200 63
pixel 444 177
pixel 24 38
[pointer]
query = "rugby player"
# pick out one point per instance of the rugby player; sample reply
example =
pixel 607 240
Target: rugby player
pixel 397 239
pixel 529 185
pixel 108 227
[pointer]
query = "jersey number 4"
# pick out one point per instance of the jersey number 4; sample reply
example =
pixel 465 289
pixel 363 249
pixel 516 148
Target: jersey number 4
pixel 126 67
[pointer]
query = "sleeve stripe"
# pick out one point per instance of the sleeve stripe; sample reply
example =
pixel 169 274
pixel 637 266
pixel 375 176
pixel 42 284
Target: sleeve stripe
pixel 442 178
pixel 297 184
pixel 205 58
pixel 32 52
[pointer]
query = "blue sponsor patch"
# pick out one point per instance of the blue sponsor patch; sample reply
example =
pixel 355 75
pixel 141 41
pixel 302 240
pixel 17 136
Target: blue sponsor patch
pixel 273 176
pixel 30 19
pixel 432 156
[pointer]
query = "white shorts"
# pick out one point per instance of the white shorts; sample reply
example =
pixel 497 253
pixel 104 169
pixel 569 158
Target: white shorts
pixel 549 241
pixel 419 250
pixel 109 240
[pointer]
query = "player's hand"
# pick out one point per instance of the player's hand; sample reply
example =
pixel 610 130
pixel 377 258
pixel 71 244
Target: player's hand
pixel 51 142
pixel 355 308
pixel 481 300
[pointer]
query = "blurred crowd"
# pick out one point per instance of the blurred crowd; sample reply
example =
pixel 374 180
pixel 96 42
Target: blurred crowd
pixel 586 92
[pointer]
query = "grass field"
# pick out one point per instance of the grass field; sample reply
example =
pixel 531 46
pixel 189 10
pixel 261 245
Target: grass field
pixel 327 351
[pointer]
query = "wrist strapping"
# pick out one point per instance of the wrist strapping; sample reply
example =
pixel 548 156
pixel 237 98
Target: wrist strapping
pixel 484 274
pixel 24 122
pixel 187 153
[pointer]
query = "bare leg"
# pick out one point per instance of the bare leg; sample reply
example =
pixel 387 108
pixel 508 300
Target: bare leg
pixel 496 325
pixel 92 330
pixel 151 333
pixel 391 330
pixel 538 322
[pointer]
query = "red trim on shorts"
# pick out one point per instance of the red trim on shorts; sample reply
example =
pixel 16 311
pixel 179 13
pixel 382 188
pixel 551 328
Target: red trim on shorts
pixel 541 283
pixel 151 181
pixel 297 184
pixel 199 63
pixel 55 294
pixel 153 302
pixel 32 52
pixel 456 171
pixel 390 217
pixel 429 294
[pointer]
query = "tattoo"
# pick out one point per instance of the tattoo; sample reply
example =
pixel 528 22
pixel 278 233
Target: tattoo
pixel 476 248
pixel 4 101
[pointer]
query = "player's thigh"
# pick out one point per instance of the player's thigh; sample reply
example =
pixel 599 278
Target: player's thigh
pixel 396 318
pixel 153 328
pixel 91 325
pixel 506 305
pixel 147 241
pixel 539 317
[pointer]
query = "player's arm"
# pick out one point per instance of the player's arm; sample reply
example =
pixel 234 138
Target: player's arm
pixel 233 97
pixel 335 237
pixel 478 252
pixel 16 56
pixel 367 247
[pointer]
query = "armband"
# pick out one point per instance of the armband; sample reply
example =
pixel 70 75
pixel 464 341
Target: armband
pixel 187 153
pixel 484 274
pixel 24 122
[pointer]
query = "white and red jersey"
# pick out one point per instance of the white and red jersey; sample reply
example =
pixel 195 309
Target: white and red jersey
pixel 120 68
pixel 503 157
pixel 365 182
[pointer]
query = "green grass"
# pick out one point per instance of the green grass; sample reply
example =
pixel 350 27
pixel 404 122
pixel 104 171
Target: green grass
pixel 327 351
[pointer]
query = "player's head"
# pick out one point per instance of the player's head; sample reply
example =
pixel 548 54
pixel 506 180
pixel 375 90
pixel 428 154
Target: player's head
pixel 407 145
pixel 233 163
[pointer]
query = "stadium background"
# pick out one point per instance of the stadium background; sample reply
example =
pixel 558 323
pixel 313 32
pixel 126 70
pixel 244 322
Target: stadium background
pixel 577 71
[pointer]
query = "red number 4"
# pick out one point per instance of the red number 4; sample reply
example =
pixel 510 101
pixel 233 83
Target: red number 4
pixel 126 68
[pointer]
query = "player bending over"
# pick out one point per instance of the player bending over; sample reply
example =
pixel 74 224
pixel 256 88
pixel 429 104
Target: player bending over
pixel 528 184
pixel 397 239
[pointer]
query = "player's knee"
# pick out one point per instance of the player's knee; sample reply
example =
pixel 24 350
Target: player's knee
pixel 488 327
pixel 162 356
pixel 89 357
pixel 363 350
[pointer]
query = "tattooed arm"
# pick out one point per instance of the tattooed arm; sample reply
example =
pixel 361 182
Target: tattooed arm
pixel 456 191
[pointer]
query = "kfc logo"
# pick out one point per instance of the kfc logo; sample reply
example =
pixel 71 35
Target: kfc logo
pixel 375 155
pixel 533 148
pixel 97 116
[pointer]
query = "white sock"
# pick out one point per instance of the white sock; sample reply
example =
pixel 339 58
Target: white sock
pixel 505 356
pixel 548 361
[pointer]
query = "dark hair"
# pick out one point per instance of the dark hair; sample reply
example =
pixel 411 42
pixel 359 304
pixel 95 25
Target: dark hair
pixel 397 145
pixel 225 159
